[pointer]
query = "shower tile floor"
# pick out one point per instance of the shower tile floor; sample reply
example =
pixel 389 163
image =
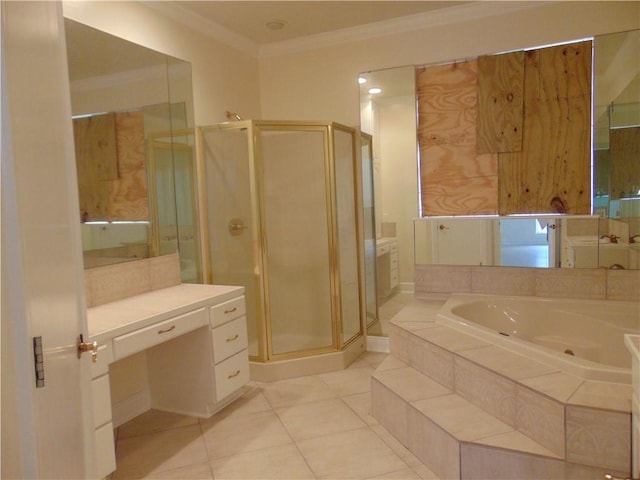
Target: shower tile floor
pixel 314 427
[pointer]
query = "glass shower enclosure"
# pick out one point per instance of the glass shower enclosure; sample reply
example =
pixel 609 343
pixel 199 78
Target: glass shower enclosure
pixel 282 220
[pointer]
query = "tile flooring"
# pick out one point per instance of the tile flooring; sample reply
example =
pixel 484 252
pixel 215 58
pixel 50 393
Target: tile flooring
pixel 314 427
pixel 387 309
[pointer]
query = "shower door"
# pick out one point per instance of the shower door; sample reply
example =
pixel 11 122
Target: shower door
pixel 297 259
pixel 232 222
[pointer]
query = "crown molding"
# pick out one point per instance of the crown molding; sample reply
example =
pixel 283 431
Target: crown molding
pixel 445 16
pixel 174 11
pixel 420 21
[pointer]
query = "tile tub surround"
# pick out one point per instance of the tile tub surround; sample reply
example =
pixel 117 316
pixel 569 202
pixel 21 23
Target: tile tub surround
pixel 489 419
pixel 592 283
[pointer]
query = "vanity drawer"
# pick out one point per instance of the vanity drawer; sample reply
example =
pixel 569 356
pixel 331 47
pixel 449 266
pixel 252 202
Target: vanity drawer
pixel 382 250
pixel 232 374
pixel 139 340
pixel 227 311
pixel 393 248
pixel 101 401
pixel 229 338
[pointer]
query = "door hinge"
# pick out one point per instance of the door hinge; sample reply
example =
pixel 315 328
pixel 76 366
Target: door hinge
pixel 38 360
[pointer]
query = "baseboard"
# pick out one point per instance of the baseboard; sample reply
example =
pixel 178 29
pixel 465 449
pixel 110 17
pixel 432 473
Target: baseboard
pixel 130 407
pixel 377 344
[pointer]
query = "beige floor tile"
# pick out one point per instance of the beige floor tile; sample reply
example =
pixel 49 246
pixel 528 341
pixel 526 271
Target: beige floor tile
pixel 559 386
pixel 154 421
pixel 315 419
pixel 350 381
pixel 295 391
pixel 278 463
pixel 371 359
pixel 354 454
pixel 361 404
pixel 143 455
pixel 233 435
pixel 390 363
pixel 404 474
pixel 608 396
pixel 253 401
pixel 192 472
pixel 516 441
pixel 403 452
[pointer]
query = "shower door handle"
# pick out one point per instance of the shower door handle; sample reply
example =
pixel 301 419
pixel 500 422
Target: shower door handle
pixel 236 226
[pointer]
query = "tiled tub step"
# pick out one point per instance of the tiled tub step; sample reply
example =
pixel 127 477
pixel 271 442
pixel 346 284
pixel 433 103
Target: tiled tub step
pixel 448 433
pixel 457 439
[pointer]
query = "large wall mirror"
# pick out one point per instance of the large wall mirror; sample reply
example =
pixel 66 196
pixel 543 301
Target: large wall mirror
pixel 609 235
pixel 133 129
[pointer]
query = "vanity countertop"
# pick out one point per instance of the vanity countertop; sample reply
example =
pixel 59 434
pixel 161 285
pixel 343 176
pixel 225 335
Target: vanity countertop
pixel 385 241
pixel 123 316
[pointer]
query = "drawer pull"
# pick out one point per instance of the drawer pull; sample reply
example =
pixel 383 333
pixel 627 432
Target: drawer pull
pixel 231 311
pixel 166 330
pixel 235 374
pixel 231 339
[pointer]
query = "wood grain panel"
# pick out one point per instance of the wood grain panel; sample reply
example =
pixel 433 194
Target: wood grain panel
pixel 477 195
pixel 452 161
pixel 552 173
pixel 455 180
pixel 129 194
pixel 447 102
pixel 96 163
pixel 624 145
pixel 500 102
pixel 565 71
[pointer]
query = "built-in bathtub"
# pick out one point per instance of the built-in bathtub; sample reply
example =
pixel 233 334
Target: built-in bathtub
pixel 581 337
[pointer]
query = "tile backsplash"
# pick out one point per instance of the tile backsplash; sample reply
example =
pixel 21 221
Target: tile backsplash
pixel 115 282
pixel 589 283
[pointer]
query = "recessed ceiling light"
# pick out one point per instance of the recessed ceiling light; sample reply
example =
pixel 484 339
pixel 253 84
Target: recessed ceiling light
pixel 375 90
pixel 362 80
pixel 276 24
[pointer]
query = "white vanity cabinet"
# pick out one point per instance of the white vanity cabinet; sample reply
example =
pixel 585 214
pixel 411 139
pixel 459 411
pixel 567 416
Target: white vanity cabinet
pixel 230 347
pixel 194 342
pixel 386 266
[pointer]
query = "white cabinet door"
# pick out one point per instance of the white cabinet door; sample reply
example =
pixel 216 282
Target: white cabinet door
pixel 46 431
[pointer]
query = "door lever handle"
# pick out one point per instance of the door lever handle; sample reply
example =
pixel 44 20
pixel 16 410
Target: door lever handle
pixel 82 347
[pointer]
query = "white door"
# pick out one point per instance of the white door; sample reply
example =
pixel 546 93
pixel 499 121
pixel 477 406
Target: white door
pixel 463 241
pixel 46 429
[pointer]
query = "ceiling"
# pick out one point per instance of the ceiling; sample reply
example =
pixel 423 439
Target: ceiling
pixel 250 19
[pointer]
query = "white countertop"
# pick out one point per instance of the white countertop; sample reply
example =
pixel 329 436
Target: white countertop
pixel 386 241
pixel 123 316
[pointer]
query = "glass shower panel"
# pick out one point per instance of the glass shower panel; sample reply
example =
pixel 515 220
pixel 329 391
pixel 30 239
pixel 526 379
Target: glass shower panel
pixel 369 221
pixel 233 250
pixel 345 184
pixel 296 240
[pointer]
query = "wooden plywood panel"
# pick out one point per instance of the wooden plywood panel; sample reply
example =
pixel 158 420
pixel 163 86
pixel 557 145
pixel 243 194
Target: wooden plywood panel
pixel 552 173
pixel 455 180
pixel 447 102
pixel 129 194
pixel 96 163
pixel 500 102
pixel 452 161
pixel 624 145
pixel 477 195
pixel 565 71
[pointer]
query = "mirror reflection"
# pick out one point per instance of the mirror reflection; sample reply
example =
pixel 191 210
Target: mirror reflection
pixel 132 116
pixel 610 237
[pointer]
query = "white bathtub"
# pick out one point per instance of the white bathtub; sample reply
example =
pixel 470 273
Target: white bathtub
pixel 581 337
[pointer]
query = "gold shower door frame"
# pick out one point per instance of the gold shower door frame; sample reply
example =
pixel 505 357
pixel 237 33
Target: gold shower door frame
pixel 257 227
